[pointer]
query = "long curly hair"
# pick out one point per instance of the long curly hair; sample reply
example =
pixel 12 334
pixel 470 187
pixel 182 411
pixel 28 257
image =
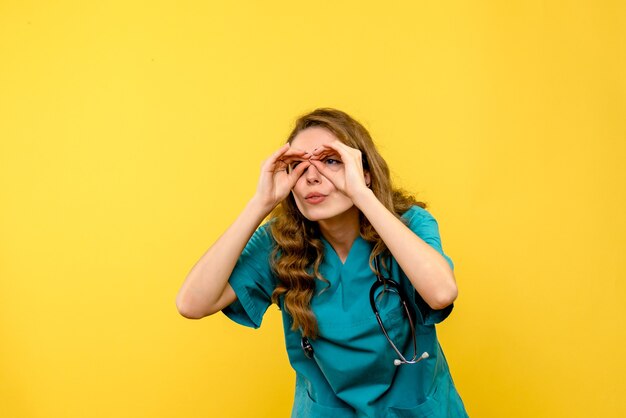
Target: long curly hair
pixel 298 250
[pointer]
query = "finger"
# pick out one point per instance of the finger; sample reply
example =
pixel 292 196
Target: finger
pixel 298 171
pixel 330 145
pixel 342 149
pixel 295 151
pixel 337 149
pixel 287 151
pixel 292 155
pixel 325 153
pixel 270 162
pixel 276 160
pixel 349 156
pixel 324 171
pixel 280 165
pixel 320 150
pixel 295 158
pixel 280 151
pixel 329 153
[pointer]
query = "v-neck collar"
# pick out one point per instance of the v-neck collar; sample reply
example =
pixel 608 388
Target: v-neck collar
pixel 334 258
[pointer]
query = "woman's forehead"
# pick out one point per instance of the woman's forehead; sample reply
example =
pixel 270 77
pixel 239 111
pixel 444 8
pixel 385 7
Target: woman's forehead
pixel 312 138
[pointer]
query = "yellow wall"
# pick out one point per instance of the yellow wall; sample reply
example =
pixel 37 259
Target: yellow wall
pixel 132 134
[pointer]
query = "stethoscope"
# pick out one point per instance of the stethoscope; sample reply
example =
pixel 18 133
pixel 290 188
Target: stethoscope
pixel 388 285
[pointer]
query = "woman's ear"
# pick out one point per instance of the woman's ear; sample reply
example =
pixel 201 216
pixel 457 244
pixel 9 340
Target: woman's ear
pixel 368 180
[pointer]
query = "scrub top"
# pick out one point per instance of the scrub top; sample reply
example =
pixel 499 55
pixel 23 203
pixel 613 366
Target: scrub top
pixel 352 373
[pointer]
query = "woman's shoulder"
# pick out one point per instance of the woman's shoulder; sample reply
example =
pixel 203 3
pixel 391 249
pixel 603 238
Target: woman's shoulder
pixel 262 237
pixel 416 212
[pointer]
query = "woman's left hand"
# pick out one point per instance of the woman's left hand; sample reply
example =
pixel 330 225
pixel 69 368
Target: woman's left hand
pixel 350 180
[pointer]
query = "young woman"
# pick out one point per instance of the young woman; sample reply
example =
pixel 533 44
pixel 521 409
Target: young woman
pixel 355 266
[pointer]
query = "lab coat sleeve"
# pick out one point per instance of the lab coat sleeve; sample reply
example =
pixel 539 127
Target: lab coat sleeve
pixel 425 226
pixel 252 281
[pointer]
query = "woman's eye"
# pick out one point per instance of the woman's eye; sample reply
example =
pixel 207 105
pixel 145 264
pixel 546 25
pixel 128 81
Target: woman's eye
pixel 333 164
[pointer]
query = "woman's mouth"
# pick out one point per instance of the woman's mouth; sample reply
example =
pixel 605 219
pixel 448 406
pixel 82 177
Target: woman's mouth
pixel 314 198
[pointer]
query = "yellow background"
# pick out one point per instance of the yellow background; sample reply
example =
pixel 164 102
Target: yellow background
pixel 132 134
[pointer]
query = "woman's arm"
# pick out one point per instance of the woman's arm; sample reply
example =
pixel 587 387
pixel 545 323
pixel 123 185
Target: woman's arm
pixel 426 268
pixel 428 271
pixel 206 291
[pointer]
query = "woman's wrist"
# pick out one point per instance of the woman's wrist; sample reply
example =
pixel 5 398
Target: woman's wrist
pixel 363 198
pixel 261 205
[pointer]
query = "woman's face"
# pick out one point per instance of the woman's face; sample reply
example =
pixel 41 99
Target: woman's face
pixel 315 195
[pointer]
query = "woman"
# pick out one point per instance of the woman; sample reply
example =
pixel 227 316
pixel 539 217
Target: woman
pixel 336 231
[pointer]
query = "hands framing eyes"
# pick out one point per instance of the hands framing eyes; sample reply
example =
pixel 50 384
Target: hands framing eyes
pixel 275 181
pixel 281 171
pixel 352 180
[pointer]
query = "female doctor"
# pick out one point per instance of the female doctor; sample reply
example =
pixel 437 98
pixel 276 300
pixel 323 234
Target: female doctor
pixel 356 267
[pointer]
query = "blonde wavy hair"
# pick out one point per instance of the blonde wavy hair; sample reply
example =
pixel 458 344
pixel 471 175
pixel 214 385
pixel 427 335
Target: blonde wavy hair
pixel 298 250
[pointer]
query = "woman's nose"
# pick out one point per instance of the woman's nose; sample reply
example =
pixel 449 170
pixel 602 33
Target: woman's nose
pixel 312 175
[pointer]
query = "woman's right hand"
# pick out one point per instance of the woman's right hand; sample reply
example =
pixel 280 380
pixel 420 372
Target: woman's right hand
pixel 277 180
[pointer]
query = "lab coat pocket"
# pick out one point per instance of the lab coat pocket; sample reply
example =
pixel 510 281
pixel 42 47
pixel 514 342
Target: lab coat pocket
pixel 309 409
pixel 427 409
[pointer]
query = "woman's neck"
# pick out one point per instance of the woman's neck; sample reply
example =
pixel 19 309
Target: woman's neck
pixel 340 231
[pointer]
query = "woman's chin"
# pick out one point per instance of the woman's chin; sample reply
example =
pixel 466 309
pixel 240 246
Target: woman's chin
pixel 319 213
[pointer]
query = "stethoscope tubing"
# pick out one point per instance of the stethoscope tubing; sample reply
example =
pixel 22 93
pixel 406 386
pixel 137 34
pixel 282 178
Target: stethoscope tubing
pixel 392 286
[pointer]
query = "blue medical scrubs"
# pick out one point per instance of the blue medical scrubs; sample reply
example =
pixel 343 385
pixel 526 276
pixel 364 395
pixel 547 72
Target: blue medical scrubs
pixel 352 373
